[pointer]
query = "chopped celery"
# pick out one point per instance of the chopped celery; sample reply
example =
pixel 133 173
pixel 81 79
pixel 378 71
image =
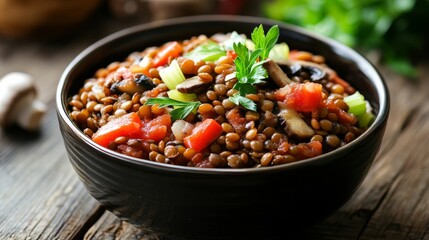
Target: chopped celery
pixel 279 52
pixel 361 108
pixel 356 103
pixel 172 75
pixel 209 51
pixel 365 119
pixel 184 97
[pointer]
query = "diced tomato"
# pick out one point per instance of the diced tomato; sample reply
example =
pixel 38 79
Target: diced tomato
pixel 157 128
pixel 343 116
pixel 154 92
pixel 231 54
pixel 303 97
pixel 280 94
pixel 236 120
pixel 130 151
pixel 308 150
pixel 283 147
pixel 170 49
pixel 128 125
pixel 203 135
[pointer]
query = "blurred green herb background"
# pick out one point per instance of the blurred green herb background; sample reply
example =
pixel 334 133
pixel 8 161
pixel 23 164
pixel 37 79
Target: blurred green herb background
pixel 398 29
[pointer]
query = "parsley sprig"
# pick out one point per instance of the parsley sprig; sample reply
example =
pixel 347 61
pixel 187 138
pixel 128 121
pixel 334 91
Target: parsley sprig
pixel 248 64
pixel 181 109
pixel 265 42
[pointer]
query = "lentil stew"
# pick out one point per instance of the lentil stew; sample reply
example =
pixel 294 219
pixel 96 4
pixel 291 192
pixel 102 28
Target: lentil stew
pixel 301 108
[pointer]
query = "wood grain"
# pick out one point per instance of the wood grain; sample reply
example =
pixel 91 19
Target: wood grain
pixel 42 198
pixel 395 190
pixel 111 227
pixel 393 200
pixel 40 194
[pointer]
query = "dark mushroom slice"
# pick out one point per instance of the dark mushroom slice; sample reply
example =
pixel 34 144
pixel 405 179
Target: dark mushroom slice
pixel 192 85
pixel 138 83
pixel 316 71
pixel 276 73
pixel 294 124
pixel 144 81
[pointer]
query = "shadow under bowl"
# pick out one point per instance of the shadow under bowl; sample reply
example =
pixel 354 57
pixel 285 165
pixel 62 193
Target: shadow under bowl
pixel 192 203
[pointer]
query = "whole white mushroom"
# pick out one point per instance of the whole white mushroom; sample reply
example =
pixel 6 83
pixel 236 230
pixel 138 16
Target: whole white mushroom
pixel 18 103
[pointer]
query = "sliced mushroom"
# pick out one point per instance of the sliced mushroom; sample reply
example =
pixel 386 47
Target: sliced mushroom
pixel 126 86
pixel 18 102
pixel 295 125
pixel 144 81
pixel 276 73
pixel 192 85
pixel 138 83
pixel 316 71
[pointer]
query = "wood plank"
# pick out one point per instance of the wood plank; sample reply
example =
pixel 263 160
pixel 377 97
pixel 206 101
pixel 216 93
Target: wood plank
pixel 404 212
pixel 111 227
pixel 392 202
pixel 360 214
pixel 408 112
pixel 40 194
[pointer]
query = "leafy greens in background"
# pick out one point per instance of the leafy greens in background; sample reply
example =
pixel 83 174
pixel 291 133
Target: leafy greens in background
pixel 398 28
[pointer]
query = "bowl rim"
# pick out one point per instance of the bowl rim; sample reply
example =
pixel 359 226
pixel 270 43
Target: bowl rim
pixel 376 79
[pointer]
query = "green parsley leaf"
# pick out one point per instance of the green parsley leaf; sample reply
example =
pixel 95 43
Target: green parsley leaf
pixel 265 42
pixel 243 101
pixel 244 88
pixel 248 64
pixel 258 72
pixel 182 109
pixel 248 70
pixel 181 113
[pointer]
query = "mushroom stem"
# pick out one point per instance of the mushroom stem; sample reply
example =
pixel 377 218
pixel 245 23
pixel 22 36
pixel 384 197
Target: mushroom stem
pixel 295 125
pixel 18 104
pixel 276 73
pixel 31 113
pixel 192 85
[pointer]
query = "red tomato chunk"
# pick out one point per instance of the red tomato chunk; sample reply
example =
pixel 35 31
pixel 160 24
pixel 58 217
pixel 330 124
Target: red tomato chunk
pixel 128 125
pixel 157 128
pixel 170 49
pixel 303 97
pixel 203 134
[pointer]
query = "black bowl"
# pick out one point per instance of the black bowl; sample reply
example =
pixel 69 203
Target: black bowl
pixel 193 203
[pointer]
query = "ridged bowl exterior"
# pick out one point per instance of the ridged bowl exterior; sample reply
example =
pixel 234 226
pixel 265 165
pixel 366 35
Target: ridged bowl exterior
pixel 190 203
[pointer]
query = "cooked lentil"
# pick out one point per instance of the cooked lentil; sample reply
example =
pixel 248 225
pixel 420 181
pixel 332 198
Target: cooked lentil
pixel 248 138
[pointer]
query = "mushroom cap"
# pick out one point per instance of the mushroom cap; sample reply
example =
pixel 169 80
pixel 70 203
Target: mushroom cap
pixel 13 86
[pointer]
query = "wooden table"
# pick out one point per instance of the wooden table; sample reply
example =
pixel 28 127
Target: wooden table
pixel 42 198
